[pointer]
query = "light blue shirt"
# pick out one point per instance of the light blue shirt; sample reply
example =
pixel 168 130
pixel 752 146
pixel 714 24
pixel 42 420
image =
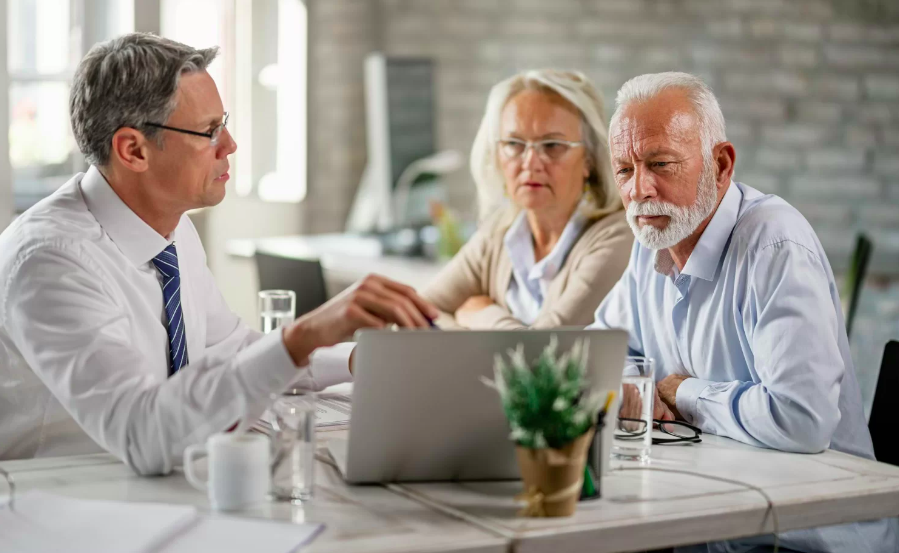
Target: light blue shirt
pixel 755 319
pixel 530 279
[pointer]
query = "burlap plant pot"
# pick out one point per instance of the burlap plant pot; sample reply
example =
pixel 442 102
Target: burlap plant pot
pixel 553 477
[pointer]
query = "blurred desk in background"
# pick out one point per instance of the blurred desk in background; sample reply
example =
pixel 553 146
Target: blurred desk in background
pixel 345 258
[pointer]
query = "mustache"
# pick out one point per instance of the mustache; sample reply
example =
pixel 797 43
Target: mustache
pixel 652 209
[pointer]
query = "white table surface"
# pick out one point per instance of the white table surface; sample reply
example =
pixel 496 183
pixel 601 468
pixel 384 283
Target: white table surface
pixel 643 510
pixel 363 519
pixel 639 510
pixel 344 258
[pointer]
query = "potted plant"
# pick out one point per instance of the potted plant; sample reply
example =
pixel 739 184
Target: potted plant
pixel 552 413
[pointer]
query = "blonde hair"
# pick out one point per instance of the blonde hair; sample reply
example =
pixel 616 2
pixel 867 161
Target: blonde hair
pixel 602 195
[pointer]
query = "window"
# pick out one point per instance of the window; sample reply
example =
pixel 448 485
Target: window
pixel 277 70
pixel 261 74
pixel 42 152
pixel 45 41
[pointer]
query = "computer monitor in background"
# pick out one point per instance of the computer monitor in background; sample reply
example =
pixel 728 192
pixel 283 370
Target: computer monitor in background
pixel 400 138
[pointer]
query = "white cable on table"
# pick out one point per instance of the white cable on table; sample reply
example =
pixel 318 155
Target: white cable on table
pixel 762 492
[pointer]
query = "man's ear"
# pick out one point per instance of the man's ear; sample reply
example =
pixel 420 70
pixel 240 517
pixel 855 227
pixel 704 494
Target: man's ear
pixel 131 148
pixel 725 155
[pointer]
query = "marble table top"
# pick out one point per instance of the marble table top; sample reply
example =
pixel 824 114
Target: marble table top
pixel 642 507
pixel 358 519
pixel 650 507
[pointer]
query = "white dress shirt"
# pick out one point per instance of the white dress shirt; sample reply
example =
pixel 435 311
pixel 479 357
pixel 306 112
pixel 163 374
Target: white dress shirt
pixel 530 279
pixel 84 349
pixel 754 320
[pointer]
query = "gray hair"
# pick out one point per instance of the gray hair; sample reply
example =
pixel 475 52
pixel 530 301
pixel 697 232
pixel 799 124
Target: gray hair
pixel 646 87
pixel 128 81
pixel 575 88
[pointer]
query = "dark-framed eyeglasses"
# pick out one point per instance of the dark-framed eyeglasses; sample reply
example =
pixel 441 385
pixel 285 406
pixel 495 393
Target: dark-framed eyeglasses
pixel 547 150
pixel 680 432
pixel 214 135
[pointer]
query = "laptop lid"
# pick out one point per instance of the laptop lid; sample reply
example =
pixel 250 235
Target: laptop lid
pixel 420 411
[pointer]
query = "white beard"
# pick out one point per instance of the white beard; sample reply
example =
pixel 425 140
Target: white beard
pixel 682 222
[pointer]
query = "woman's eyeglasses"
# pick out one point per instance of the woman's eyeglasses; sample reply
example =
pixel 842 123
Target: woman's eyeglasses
pixel 547 150
pixel 680 432
pixel 214 135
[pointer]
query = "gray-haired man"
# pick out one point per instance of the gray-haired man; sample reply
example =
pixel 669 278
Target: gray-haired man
pixel 730 291
pixel 112 329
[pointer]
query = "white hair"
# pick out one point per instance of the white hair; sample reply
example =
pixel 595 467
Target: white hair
pixel 682 221
pixel 602 197
pixel 646 87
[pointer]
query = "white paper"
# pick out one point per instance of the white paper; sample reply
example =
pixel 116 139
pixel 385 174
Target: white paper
pixel 332 410
pixel 224 534
pixel 42 522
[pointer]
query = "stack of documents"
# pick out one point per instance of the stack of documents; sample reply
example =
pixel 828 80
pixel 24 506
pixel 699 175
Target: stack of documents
pixel 332 411
pixel 40 522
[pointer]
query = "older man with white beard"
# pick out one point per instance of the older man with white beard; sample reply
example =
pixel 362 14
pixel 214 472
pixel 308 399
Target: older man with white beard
pixel 729 290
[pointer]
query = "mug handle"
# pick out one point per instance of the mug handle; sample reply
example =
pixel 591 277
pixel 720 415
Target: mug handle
pixel 190 455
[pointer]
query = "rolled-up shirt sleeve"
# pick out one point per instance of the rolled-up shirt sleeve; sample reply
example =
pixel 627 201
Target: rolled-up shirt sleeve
pixel 76 337
pixel 793 333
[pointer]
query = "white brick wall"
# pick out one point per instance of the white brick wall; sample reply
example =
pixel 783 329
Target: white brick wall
pixel 809 88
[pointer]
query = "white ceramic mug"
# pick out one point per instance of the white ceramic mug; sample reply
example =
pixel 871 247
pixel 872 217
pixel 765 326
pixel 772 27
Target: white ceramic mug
pixel 239 469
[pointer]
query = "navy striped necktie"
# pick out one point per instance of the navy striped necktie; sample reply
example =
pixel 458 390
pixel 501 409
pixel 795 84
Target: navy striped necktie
pixel 167 265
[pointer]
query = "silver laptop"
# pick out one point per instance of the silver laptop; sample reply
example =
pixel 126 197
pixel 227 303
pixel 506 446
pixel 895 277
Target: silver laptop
pixel 421 413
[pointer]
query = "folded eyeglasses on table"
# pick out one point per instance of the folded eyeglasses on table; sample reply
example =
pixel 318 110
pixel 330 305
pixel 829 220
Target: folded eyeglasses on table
pixel 679 431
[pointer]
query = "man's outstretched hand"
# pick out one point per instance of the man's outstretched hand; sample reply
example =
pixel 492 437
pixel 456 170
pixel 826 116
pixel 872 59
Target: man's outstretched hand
pixel 373 302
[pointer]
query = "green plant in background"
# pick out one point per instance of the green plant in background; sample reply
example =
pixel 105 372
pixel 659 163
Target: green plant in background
pixel 450 241
pixel 547 403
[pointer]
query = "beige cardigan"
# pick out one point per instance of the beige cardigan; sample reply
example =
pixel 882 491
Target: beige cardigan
pixel 483 268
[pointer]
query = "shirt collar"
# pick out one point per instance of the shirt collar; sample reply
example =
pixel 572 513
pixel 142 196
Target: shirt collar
pixel 703 261
pixel 519 243
pixel 135 239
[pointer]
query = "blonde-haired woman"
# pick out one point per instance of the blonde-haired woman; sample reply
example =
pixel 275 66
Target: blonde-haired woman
pixel 549 252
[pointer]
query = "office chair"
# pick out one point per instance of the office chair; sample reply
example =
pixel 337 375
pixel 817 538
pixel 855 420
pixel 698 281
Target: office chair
pixel 882 423
pixel 855 279
pixel 303 276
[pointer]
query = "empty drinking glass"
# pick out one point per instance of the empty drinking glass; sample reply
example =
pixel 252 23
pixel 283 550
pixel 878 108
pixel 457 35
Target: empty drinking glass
pixel 633 431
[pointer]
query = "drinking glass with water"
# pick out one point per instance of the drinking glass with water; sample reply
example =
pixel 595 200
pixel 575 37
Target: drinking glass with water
pixel 633 431
pixel 293 462
pixel 277 308
pixel 292 413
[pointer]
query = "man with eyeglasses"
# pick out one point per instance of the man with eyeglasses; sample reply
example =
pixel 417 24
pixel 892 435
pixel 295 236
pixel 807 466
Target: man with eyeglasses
pixel 730 292
pixel 113 333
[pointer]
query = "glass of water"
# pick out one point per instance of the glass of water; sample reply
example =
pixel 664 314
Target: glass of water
pixel 277 308
pixel 293 460
pixel 633 429
pixel 292 414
